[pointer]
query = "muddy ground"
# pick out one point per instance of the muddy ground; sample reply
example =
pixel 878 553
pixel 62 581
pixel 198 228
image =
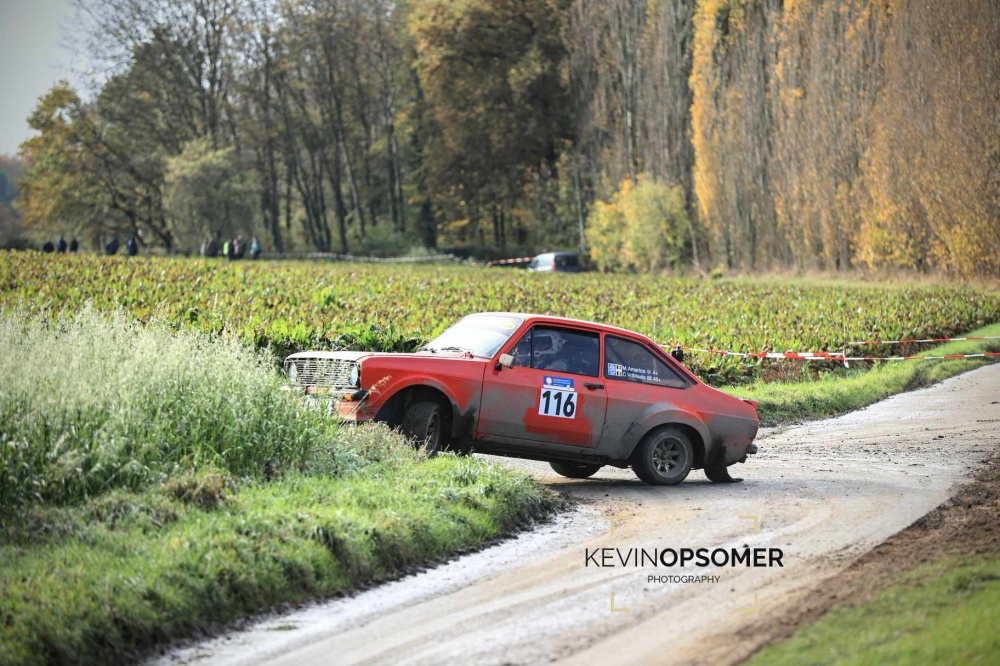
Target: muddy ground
pixel 827 494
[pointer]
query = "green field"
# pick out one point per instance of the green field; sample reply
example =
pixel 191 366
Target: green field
pixel 292 306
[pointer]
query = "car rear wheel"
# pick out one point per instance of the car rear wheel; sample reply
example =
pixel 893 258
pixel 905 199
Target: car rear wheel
pixel 423 424
pixel 574 470
pixel 664 457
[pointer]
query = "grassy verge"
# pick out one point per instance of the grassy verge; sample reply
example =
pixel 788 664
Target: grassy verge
pixel 843 390
pixel 944 613
pixel 118 574
pixel 155 483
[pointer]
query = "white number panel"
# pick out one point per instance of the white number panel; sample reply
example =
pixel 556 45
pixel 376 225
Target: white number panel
pixel 558 403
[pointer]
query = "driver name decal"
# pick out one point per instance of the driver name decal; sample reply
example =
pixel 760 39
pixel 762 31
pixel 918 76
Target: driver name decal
pixel 628 372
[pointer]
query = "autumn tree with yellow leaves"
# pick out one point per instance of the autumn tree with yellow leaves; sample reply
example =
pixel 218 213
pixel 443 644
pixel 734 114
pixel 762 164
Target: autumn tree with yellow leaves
pixel 846 133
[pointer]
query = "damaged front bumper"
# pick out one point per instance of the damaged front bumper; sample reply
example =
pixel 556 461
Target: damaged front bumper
pixel 346 404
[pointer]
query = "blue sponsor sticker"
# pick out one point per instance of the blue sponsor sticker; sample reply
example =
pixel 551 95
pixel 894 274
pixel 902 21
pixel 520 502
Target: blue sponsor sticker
pixel 563 383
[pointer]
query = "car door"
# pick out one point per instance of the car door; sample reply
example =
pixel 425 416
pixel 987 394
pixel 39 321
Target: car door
pixel 636 378
pixel 552 394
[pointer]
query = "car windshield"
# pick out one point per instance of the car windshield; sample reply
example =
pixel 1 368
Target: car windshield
pixel 480 334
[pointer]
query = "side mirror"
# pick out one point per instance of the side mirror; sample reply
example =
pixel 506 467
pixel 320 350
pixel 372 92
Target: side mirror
pixel 505 361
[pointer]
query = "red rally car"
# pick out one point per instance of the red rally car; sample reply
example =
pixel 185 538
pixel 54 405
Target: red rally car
pixel 576 394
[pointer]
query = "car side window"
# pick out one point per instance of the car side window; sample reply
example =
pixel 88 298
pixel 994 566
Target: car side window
pixel 629 361
pixel 522 351
pixel 559 350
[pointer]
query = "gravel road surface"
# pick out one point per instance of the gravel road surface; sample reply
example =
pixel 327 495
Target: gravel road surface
pixel 823 493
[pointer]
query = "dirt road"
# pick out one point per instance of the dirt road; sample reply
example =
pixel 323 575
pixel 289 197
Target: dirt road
pixel 824 493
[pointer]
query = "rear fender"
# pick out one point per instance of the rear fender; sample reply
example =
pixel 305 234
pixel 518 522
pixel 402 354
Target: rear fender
pixel 654 416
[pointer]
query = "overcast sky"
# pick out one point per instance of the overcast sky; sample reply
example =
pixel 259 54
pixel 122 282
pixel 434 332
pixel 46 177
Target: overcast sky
pixel 33 58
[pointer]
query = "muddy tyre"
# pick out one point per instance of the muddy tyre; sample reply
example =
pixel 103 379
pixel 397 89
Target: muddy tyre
pixel 720 474
pixel 574 470
pixel 664 457
pixel 460 449
pixel 423 423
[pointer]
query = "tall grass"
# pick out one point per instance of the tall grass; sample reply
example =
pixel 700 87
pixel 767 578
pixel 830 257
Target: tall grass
pixel 93 402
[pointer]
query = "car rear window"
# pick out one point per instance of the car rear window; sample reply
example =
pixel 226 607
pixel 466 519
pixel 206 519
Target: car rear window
pixel 629 361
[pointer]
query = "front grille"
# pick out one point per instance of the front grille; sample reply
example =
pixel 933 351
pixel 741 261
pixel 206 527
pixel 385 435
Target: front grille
pixel 326 372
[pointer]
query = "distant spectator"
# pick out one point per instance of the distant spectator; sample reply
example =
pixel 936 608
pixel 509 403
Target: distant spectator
pixel 254 248
pixel 48 248
pixel 73 246
pixel 112 247
pixel 131 246
pixel 61 245
pixel 210 248
pixel 227 249
pixel 241 247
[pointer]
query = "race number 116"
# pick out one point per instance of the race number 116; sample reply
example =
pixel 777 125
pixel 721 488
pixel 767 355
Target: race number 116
pixel 554 402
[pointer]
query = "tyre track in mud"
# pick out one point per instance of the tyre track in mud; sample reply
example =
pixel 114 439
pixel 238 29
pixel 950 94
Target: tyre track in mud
pixel 824 492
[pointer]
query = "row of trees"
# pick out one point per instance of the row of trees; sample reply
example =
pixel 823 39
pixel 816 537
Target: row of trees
pixel 221 116
pixel 743 133
pixel 841 133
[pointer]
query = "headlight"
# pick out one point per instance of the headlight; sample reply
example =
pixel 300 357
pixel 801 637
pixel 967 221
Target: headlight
pixel 354 379
pixel 293 373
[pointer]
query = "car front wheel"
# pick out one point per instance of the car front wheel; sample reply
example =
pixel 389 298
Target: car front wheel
pixel 574 470
pixel 423 424
pixel 664 457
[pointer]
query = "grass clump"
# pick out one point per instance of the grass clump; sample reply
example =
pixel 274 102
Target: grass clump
pixel 206 488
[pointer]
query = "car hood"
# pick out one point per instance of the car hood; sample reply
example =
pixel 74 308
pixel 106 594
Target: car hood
pixel 359 355
pixel 339 355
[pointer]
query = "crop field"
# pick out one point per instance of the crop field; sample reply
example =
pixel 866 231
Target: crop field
pixel 291 306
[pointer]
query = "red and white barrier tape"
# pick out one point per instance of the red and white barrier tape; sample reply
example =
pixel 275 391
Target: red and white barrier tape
pixel 501 262
pixel 838 358
pixel 862 343
pixel 842 357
